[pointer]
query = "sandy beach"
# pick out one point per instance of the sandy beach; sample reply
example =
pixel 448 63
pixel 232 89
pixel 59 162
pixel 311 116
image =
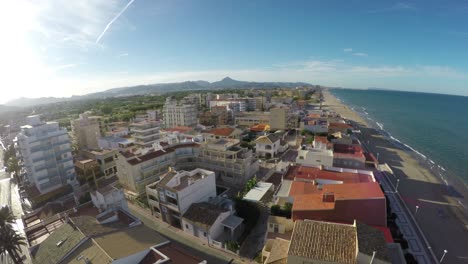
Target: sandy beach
pixel 441 217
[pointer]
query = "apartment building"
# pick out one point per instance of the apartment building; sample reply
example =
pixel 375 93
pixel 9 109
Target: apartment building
pixel 106 160
pixel 176 114
pixel 145 133
pixel 136 170
pixel 282 118
pixel 171 196
pixel 46 152
pixel 87 131
pixel 233 164
pixel 249 119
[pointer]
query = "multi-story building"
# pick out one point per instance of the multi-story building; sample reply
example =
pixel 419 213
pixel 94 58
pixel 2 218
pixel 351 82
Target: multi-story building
pixel 233 164
pixel 105 159
pixel 146 132
pixel 87 131
pixel 46 152
pixel 135 171
pixel 179 114
pixel 282 118
pixel 249 119
pixel 170 197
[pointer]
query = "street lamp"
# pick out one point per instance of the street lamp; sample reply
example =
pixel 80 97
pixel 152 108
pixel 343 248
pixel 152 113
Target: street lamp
pixel 397 183
pixel 416 212
pixel 443 256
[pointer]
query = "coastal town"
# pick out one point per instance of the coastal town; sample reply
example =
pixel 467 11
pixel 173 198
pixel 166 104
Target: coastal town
pixel 271 175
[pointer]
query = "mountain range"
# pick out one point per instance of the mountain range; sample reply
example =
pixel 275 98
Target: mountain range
pixel 226 83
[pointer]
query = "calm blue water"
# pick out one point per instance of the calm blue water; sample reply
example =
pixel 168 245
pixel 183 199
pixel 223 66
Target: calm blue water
pixel 432 124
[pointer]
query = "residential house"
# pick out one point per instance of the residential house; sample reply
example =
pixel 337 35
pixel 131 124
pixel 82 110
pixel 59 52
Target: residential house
pixel 348 156
pixel 222 133
pixel 339 127
pixel 211 223
pixel 343 203
pixel 108 197
pixel 106 160
pixel 170 197
pixel 117 143
pixel 271 145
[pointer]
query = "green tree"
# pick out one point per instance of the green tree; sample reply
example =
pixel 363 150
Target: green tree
pixel 6 216
pixel 10 242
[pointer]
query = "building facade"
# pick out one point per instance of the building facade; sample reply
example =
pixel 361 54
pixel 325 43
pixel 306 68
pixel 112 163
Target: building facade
pixel 170 197
pixel 46 152
pixel 87 131
pixel 179 114
pixel 145 132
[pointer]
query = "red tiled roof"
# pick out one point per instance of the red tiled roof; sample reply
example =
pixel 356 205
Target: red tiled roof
pixel 312 173
pixel 222 131
pixel 339 125
pixel 353 150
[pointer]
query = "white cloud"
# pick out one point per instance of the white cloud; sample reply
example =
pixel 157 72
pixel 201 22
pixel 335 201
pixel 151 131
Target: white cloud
pixel 347 49
pixel 122 55
pixel 360 54
pixel 401 6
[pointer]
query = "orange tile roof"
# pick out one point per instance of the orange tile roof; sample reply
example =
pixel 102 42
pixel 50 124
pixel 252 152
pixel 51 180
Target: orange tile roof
pixel 313 200
pixel 320 139
pixel 260 128
pixel 313 115
pixel 222 131
pixel 340 125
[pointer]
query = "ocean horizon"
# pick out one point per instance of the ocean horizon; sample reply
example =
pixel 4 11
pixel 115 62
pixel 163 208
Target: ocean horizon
pixel 433 126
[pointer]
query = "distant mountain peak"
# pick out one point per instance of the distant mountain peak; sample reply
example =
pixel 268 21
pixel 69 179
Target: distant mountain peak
pixel 227 78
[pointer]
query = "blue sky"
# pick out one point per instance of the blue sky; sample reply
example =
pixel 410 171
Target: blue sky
pixel 61 48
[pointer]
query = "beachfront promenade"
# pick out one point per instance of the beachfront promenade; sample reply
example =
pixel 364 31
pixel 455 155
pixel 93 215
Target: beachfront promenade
pixel 440 216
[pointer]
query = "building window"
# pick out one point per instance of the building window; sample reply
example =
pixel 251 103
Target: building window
pixel 186 226
pixel 204 234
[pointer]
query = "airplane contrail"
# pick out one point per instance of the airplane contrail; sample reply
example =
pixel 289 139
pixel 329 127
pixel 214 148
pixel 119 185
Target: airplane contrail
pixel 112 21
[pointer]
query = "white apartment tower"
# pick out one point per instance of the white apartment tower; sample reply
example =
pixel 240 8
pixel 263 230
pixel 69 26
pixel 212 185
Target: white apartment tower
pixel 179 114
pixel 46 152
pixel 87 131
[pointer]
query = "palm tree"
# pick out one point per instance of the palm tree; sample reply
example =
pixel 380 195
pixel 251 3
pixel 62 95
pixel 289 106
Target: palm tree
pixel 10 241
pixel 6 216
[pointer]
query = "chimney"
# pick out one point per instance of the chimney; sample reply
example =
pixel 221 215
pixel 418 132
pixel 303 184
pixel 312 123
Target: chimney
pixel 328 197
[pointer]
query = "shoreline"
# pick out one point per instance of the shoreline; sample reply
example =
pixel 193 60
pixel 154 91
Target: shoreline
pixel 441 200
pixel 453 182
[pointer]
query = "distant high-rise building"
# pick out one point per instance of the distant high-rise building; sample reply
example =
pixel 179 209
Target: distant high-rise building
pixel 87 131
pixel 179 114
pixel 46 152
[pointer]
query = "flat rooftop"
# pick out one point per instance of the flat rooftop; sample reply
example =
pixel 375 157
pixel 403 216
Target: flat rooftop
pixel 313 173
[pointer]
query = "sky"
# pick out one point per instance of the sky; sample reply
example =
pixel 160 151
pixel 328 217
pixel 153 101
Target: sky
pixel 63 48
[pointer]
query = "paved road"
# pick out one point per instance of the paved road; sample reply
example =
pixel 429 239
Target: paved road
pixel 9 196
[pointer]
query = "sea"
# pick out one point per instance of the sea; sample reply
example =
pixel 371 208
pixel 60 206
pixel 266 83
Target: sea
pixel 433 126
